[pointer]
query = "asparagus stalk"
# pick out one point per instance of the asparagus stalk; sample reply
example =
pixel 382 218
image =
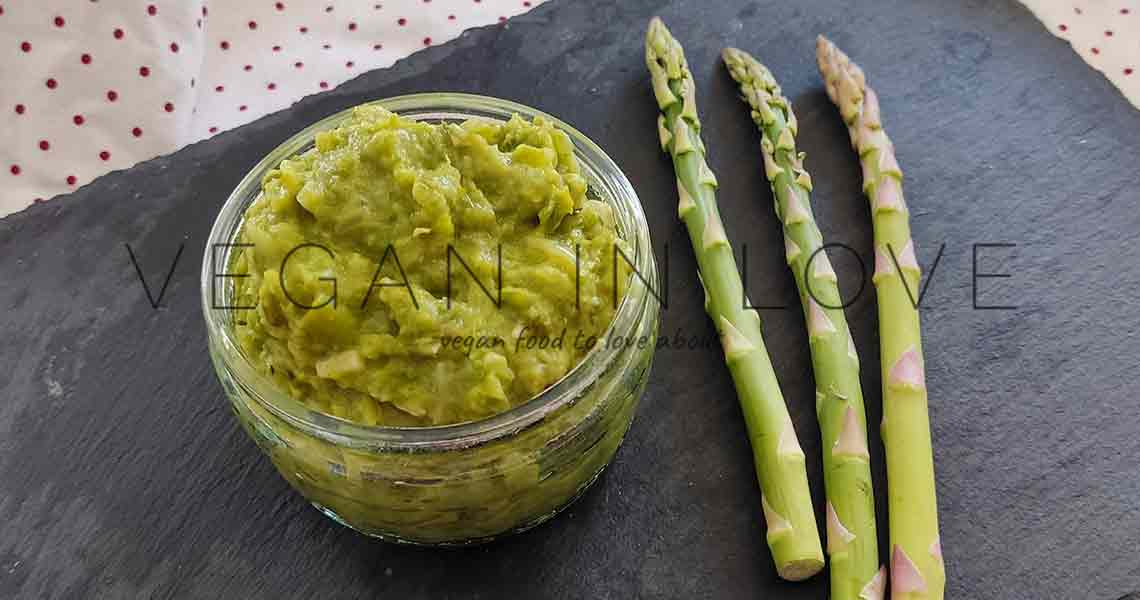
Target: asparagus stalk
pixel 917 570
pixel 852 544
pixel 780 467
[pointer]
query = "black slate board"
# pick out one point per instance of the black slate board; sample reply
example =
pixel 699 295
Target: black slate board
pixel 122 474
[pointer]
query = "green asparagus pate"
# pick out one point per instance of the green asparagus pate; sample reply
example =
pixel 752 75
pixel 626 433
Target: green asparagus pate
pixel 407 273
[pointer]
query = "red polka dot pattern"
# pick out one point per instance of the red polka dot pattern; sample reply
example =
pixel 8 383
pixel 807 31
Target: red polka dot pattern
pixel 1106 33
pixel 98 85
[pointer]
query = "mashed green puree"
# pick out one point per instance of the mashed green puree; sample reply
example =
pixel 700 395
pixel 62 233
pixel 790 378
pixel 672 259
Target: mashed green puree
pixel 351 244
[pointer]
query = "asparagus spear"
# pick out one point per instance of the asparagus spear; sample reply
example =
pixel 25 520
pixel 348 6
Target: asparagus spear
pixel 852 544
pixel 917 570
pixel 784 496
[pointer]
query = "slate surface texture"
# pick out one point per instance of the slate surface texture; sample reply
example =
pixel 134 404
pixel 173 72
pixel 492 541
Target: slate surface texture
pixel 123 474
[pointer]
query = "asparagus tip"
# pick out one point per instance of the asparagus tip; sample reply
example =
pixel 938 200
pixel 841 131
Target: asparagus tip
pixel 658 34
pixel 661 43
pixel 825 48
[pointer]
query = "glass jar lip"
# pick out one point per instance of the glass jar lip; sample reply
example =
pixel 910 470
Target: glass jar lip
pixel 434 106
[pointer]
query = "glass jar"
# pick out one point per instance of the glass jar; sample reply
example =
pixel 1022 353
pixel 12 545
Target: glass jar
pixel 454 484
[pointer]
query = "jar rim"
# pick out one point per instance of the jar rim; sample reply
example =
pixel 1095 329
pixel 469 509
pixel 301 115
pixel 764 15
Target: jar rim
pixel 601 172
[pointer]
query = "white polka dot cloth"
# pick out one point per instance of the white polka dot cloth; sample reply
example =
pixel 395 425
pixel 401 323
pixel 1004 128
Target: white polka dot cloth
pixel 88 86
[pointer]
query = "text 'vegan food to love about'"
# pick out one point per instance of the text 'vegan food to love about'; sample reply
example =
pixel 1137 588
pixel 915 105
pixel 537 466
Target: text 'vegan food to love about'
pixel 390 238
